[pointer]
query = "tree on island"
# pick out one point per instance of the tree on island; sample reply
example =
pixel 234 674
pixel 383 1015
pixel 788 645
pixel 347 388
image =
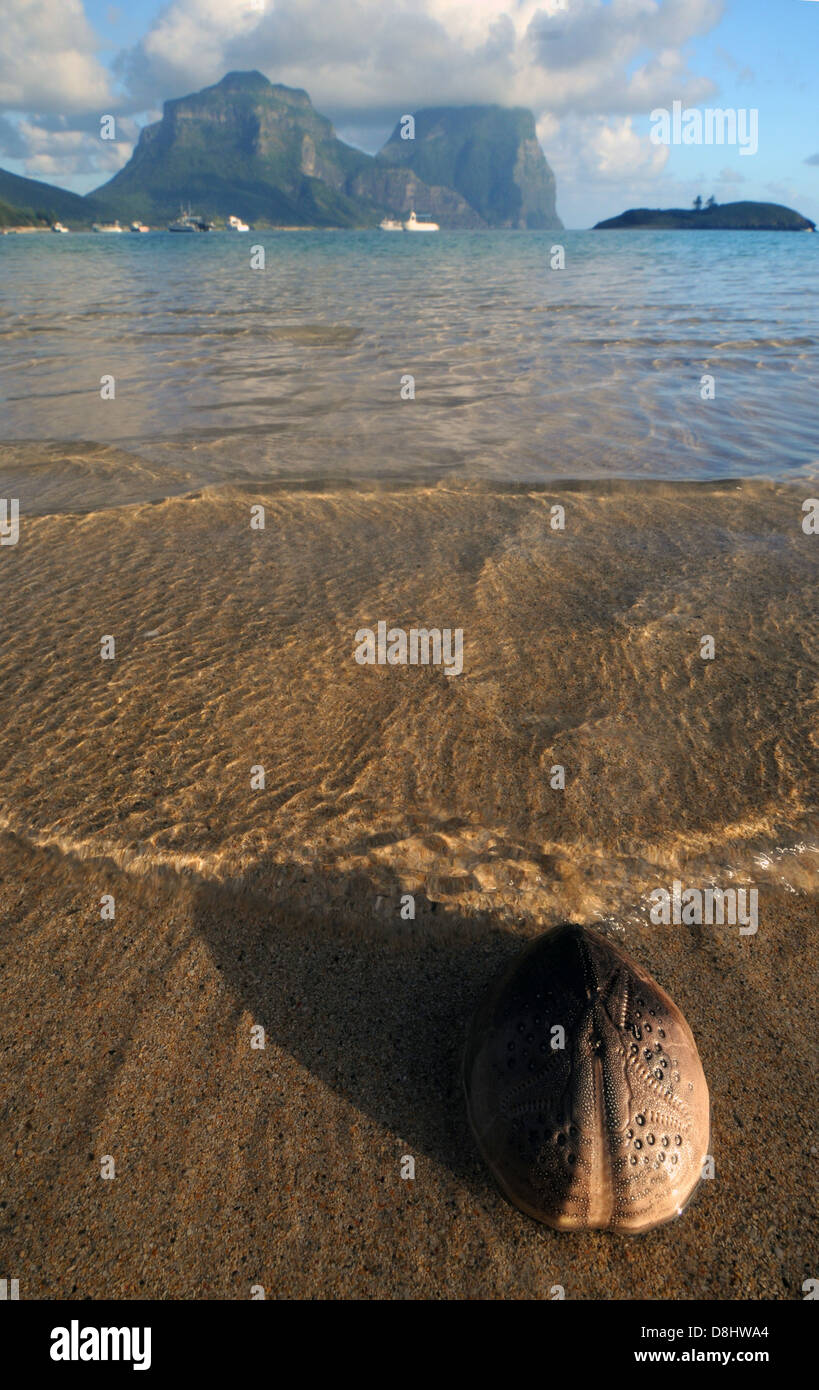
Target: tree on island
pixel 712 202
pixel 698 203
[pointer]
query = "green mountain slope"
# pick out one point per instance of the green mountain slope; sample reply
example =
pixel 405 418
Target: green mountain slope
pixel 16 217
pixel 27 201
pixel 764 217
pixel 246 147
pixel 489 154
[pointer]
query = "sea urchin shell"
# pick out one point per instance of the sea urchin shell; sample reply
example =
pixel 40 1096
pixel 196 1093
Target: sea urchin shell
pixel 585 1088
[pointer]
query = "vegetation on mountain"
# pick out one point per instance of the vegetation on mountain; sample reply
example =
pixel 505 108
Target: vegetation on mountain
pixel 762 217
pixel 489 154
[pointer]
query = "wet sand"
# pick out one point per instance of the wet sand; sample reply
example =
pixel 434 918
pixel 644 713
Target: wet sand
pixel 281 907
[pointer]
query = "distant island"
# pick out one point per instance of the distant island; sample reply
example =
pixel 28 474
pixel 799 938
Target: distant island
pixel 261 151
pixel 712 216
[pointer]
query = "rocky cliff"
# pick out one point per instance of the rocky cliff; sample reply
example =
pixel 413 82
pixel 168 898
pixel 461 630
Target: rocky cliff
pixel 489 155
pixel 262 151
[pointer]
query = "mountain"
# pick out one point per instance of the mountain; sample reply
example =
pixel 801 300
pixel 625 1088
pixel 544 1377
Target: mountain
pixel 24 202
pixel 760 217
pixel 16 217
pixel 262 151
pixel 490 155
pixel 243 146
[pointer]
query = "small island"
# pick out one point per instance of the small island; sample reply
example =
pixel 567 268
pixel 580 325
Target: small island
pixel 711 216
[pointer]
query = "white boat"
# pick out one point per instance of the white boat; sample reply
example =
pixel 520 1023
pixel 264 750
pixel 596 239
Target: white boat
pixel 58 227
pixel 107 227
pixel 139 227
pixel 415 224
pixel 237 225
pixel 390 225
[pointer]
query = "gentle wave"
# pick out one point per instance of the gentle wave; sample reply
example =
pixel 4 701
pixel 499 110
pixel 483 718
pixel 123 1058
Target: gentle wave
pixel 519 371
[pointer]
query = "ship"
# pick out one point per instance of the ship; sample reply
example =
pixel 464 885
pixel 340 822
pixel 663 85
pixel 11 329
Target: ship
pixel 237 225
pixel 139 227
pixel 417 224
pixel 58 227
pixel 189 222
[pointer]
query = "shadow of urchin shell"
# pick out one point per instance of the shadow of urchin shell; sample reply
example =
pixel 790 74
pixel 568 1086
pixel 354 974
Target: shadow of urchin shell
pixel 608 1131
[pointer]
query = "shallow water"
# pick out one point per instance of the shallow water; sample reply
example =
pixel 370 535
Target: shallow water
pixel 581 648
pixel 521 372
pixel 534 388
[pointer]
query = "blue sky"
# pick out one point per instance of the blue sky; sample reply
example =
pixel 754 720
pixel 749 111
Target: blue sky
pixel 591 70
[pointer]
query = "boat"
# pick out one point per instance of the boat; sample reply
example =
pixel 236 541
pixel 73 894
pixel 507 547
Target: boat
pixel 58 227
pixel 189 222
pixel 237 225
pixel 416 224
pixel 106 227
pixel 139 227
pixel 389 224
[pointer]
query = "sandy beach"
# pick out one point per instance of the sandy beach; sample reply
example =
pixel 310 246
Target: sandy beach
pixel 237 907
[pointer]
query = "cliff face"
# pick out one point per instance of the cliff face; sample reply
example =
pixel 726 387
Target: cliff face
pixel 400 190
pixel 489 154
pixel 263 152
pixel 243 146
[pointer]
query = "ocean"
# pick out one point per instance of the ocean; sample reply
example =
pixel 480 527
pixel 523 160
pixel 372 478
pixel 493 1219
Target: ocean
pixel 522 373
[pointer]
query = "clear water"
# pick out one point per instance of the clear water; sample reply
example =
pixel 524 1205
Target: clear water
pixel 522 373
pixel 581 646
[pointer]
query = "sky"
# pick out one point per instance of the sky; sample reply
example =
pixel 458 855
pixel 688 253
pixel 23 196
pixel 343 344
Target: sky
pixel 592 72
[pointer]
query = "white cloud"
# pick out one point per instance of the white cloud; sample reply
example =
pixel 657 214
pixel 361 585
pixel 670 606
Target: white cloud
pixel 49 71
pixel 359 55
pixel 54 150
pixel 621 153
pixel 592 149
pixel 602 163
pixel 47 58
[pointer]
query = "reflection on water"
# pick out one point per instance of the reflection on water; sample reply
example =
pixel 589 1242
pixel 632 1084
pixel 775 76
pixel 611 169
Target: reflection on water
pixel 521 372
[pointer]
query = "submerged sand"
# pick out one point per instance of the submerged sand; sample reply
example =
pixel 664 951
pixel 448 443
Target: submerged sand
pixel 280 907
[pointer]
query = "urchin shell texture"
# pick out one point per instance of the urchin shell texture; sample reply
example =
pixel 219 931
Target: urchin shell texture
pixel 608 1131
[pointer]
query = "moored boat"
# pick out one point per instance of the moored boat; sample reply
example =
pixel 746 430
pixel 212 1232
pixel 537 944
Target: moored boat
pixel 417 224
pixel 106 227
pixel 189 222
pixel 389 224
